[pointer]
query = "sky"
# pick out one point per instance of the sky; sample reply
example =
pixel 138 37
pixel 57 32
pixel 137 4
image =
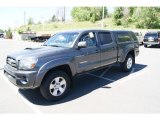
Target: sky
pixel 11 17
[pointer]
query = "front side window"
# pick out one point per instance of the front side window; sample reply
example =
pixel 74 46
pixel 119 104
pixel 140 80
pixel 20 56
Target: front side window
pixel 105 38
pixel 90 41
pixel 62 39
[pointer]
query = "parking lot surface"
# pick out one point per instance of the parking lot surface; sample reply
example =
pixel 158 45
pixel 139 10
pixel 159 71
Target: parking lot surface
pixel 108 90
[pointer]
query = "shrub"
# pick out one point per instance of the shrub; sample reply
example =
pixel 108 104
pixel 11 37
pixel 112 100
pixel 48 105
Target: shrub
pixel 118 22
pixel 9 34
pixel 55 26
pixel 19 31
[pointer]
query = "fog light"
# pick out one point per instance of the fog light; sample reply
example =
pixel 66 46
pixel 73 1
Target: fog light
pixel 24 80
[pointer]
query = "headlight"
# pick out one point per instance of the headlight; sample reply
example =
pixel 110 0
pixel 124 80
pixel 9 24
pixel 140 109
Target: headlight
pixel 27 63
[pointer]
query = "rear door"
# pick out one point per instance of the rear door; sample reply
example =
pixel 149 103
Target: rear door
pixel 108 48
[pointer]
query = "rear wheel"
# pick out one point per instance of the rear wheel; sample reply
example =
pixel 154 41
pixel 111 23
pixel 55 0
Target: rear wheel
pixel 145 46
pixel 55 86
pixel 128 63
pixel 142 43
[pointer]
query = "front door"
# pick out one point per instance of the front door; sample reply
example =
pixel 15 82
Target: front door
pixel 88 58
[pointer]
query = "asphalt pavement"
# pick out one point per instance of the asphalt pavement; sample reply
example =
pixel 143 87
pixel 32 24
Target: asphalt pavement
pixel 108 90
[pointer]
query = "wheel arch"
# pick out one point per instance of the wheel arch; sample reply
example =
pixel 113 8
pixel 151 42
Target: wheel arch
pixel 131 52
pixel 63 65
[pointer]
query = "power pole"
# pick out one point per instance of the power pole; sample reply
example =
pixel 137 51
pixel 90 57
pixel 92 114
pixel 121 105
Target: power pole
pixel 24 18
pixel 42 19
pixel 64 19
pixel 103 18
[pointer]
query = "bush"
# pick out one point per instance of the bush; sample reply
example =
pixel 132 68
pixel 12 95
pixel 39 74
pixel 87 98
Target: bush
pixel 93 18
pixel 28 29
pixel 118 22
pixel 126 21
pixel 55 26
pixel 9 34
pixel 19 31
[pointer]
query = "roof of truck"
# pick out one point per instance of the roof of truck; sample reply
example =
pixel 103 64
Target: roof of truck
pixel 85 30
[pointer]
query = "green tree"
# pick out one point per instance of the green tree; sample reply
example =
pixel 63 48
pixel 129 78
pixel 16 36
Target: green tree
pixel 53 18
pixel 88 13
pixel 8 33
pixel 151 18
pixel 28 29
pixel 30 21
pixel 19 31
pixel 118 15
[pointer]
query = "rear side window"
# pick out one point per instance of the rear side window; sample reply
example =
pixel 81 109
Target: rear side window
pixel 105 38
pixel 123 37
pixel 151 35
pixel 133 37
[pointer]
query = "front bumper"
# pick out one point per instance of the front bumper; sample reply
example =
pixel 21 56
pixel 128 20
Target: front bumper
pixel 22 79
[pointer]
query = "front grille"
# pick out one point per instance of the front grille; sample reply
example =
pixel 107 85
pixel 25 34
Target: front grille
pixel 11 61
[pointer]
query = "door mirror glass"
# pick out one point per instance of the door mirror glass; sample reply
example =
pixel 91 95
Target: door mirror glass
pixel 82 44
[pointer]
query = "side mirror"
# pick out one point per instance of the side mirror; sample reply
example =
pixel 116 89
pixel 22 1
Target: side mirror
pixel 82 44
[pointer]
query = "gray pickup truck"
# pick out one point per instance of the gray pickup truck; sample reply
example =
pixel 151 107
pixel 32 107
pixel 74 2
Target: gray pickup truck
pixel 52 66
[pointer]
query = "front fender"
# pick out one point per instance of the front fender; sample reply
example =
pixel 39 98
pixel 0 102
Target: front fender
pixel 52 64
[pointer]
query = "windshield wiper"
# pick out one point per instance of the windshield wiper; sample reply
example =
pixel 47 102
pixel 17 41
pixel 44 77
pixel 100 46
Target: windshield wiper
pixel 52 45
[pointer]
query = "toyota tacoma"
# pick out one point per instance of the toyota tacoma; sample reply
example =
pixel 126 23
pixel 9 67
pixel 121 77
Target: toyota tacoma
pixel 52 66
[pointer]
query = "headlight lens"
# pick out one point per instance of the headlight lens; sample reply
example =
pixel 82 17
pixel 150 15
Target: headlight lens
pixel 27 63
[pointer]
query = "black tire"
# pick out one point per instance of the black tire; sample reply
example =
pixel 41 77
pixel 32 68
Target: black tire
pixel 45 86
pixel 124 64
pixel 142 43
pixel 145 46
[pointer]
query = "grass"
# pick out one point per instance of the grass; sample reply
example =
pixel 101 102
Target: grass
pixel 59 26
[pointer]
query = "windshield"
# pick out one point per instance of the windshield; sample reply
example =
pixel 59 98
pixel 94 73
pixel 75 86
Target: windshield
pixel 151 34
pixel 62 39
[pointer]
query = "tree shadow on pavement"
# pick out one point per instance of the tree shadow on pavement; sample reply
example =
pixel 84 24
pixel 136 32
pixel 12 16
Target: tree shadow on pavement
pixel 83 85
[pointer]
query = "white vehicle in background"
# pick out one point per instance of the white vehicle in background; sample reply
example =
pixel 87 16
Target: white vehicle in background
pixel 140 37
pixel 1 35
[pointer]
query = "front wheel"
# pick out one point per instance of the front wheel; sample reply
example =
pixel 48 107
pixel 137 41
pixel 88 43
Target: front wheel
pixel 55 86
pixel 128 63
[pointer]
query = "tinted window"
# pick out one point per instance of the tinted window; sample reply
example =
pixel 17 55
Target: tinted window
pixel 151 34
pixel 123 37
pixel 133 37
pixel 90 41
pixel 105 37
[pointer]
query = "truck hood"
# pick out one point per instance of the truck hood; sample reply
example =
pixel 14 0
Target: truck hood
pixel 40 52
